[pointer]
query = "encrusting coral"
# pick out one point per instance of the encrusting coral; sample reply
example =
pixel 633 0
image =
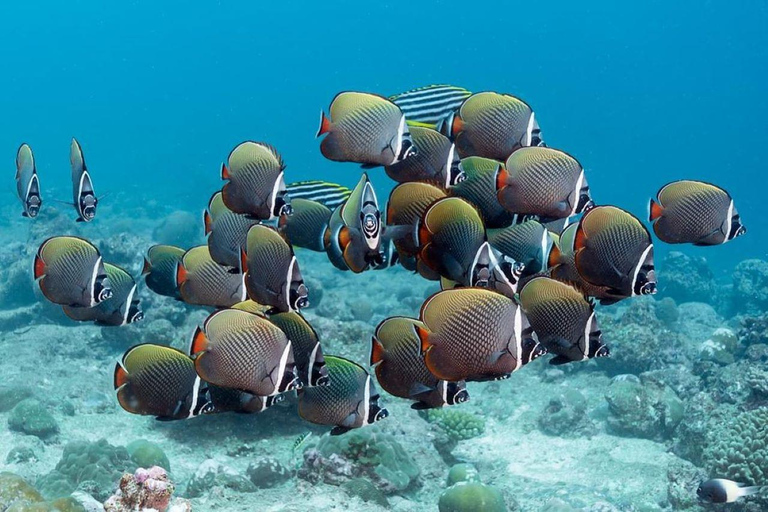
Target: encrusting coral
pixel 146 489
pixel 737 449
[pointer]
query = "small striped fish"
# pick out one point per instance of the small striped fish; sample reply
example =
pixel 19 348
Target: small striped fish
pixel 326 193
pixel 431 104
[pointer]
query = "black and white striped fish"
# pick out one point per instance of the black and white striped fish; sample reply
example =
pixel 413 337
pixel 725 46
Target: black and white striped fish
pixel 328 194
pixel 431 104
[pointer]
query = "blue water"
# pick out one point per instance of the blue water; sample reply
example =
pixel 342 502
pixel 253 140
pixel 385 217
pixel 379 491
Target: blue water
pixel 159 94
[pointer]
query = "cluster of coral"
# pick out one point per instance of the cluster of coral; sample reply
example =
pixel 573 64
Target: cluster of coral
pixel 683 398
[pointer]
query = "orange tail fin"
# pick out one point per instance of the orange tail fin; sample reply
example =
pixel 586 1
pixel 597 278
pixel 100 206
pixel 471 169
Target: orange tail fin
pixel 121 376
pixel 39 267
pixel 377 351
pixel 199 342
pixel 655 210
pixel 580 241
pixel 243 261
pixel 423 335
pixel 501 177
pixel 147 268
pixel 207 221
pixel 224 172
pixel 554 257
pixel 181 274
pixel 325 125
pixel 458 125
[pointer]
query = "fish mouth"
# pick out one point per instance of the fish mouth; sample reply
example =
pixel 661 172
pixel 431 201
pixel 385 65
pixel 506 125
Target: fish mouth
pixel 407 150
pixel 32 211
pixel 282 207
pixel 301 302
pixel 89 212
pixel 603 351
pixel 585 201
pixel 137 317
pixel 322 381
pixel 104 294
pixel 381 413
pixel 648 289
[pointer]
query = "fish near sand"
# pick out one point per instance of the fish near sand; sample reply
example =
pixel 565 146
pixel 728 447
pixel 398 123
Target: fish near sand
pixel 160 269
pixel 160 381
pixel 400 368
pixel 721 490
pixel 563 319
pixel 350 401
pixel 240 350
pixel 272 273
pixel 70 272
pixel 475 334
pixel 121 308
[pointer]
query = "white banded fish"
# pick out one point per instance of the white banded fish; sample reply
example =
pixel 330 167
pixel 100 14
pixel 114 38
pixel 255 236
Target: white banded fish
pixel 326 193
pixel 431 104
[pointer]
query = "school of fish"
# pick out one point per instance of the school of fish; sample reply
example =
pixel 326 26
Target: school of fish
pixel 504 222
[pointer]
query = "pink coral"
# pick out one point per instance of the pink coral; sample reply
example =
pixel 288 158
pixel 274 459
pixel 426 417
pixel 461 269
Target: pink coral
pixel 145 489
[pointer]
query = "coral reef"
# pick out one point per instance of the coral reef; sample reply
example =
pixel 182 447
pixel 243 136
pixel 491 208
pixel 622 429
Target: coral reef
pixel 12 394
pixel 365 452
pixel 750 287
pixel 32 418
pixel 639 341
pixel 566 415
pixel 737 449
pixel 211 474
pixel 146 489
pixel 462 473
pixel 365 490
pixel 682 480
pixel 16 492
pixel 720 347
pixel 648 411
pixel 686 278
pixel 459 425
pixel 91 467
pixel 146 454
pixel 267 472
pixel 471 497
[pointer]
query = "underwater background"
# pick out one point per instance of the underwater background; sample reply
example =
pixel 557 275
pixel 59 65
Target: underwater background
pixel 159 93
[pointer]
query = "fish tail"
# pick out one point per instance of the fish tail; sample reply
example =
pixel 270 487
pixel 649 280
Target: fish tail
pixel 377 351
pixel 147 268
pixel 654 210
pixel 554 257
pixel 207 221
pixel 423 335
pixel 181 274
pixel 457 126
pixel 224 172
pixel 325 125
pixel 749 491
pixel 199 342
pixel 121 376
pixel 39 267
